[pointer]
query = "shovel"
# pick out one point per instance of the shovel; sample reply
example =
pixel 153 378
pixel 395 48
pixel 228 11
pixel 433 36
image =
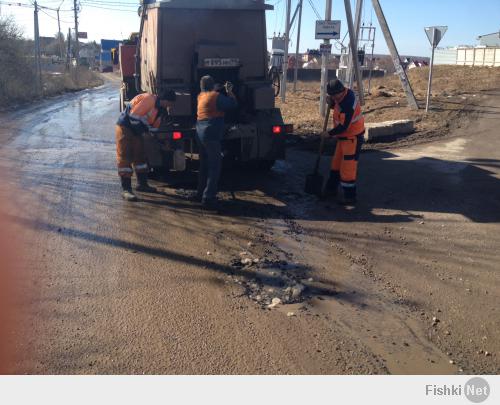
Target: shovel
pixel 314 181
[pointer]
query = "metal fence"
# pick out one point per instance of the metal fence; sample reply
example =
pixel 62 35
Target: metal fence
pixel 468 56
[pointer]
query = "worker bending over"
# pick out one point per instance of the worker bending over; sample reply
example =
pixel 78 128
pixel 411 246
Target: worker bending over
pixel 212 105
pixel 349 129
pixel 143 114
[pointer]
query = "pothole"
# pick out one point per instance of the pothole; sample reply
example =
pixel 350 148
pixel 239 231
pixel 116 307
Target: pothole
pixel 269 282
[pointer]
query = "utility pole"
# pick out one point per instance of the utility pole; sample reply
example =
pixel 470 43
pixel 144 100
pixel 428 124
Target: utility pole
pixel 297 49
pixel 354 51
pixel 357 27
pixel 324 67
pixel 285 56
pixel 77 45
pixel 38 66
pixel 412 102
pixel 68 52
pixel 59 34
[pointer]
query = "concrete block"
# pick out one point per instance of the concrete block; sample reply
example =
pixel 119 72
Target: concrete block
pixel 387 130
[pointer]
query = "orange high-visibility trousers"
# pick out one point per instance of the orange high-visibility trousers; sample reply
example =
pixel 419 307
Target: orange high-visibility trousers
pixel 345 159
pixel 129 151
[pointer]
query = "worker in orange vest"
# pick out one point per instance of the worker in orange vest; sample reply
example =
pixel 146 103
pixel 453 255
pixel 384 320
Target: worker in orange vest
pixel 348 130
pixel 143 114
pixel 212 105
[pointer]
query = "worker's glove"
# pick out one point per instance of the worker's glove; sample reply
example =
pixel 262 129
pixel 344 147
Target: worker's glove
pixel 229 87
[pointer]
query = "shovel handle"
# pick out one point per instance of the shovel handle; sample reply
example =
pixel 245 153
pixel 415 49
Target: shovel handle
pixel 322 142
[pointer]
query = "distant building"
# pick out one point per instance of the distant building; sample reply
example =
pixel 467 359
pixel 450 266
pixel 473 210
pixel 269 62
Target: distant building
pixel 490 39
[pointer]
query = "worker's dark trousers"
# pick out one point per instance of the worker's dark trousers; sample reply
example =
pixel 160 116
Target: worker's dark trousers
pixel 210 168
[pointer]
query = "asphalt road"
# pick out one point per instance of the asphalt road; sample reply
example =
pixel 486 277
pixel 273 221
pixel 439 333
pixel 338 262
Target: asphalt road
pixel 406 283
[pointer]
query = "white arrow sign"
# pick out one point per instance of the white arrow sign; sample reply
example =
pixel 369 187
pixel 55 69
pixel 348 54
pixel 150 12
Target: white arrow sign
pixel 328 29
pixel 435 34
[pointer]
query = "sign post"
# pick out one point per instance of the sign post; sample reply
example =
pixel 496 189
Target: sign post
pixel 434 34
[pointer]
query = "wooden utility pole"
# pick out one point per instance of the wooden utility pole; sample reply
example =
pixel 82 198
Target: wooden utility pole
pixel 324 64
pixel 354 51
pixel 59 34
pixel 412 102
pixel 38 65
pixel 295 73
pixel 77 45
pixel 68 52
pixel 285 56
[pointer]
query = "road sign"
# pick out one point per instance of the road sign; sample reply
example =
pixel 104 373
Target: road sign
pixel 82 35
pixel 434 34
pixel 325 49
pixel 328 29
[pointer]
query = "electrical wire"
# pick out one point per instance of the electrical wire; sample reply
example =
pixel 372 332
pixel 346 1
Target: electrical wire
pixel 111 3
pixel 55 18
pixel 314 9
pixel 108 8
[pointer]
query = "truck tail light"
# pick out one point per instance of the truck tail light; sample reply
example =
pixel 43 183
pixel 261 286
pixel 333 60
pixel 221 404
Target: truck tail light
pixel 177 135
pixel 277 129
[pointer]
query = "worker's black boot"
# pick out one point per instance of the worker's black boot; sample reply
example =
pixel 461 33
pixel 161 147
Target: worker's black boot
pixel 142 184
pixel 332 185
pixel 349 196
pixel 127 192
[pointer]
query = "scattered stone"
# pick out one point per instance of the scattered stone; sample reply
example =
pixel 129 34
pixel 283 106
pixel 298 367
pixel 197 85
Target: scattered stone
pixel 468 290
pixel 421 222
pixel 258 298
pixel 250 244
pixel 274 302
pixel 310 280
pixel 244 253
pixel 487 353
pixel 452 362
pixel 447 332
pixel 209 253
pixel 297 291
pixel 246 261
pixel 290 314
pixel 256 260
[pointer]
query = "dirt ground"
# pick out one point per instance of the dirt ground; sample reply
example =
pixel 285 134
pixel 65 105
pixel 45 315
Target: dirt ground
pixel 405 283
pixel 454 90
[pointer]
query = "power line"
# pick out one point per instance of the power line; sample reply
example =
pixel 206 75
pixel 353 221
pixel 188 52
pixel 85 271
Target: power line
pixel 111 3
pixel 314 9
pixel 107 8
pixel 55 18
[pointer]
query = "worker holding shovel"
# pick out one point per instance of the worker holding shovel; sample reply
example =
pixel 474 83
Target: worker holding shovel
pixel 348 130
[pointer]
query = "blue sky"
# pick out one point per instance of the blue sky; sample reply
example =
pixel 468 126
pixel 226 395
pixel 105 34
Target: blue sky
pixel 466 19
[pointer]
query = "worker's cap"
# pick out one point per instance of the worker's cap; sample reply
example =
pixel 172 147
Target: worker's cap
pixel 168 95
pixel 207 83
pixel 334 86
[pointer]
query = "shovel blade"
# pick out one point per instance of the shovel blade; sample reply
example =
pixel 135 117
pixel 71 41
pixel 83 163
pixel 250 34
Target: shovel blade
pixel 314 184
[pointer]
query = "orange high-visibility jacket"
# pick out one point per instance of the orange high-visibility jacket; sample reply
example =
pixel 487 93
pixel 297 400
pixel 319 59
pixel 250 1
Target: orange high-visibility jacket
pixel 141 113
pixel 348 119
pixel 207 106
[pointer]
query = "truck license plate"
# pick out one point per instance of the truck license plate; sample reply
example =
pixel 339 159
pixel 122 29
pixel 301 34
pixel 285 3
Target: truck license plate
pixel 221 62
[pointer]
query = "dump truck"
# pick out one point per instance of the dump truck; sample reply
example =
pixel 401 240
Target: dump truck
pixel 182 40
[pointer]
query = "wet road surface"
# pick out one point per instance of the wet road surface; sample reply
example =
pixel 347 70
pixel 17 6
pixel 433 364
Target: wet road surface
pixel 157 286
